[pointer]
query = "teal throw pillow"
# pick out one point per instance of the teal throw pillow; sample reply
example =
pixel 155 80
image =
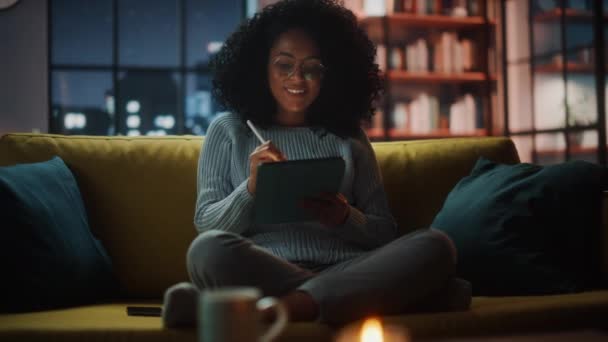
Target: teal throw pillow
pixel 526 229
pixel 48 256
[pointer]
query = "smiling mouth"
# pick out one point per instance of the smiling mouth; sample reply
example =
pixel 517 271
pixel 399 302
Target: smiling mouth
pixel 295 91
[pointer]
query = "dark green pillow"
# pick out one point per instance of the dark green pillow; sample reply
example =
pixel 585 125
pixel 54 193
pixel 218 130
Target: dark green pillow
pixel 526 229
pixel 48 256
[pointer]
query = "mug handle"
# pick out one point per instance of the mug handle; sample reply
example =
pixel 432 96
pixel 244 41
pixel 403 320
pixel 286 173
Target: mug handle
pixel 280 322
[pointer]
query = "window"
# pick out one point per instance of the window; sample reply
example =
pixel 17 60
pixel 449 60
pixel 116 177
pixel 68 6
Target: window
pixel 135 67
pixel 556 79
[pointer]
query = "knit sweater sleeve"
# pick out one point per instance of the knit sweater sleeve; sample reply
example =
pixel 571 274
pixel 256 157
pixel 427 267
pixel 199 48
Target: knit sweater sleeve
pixel 219 204
pixel 370 223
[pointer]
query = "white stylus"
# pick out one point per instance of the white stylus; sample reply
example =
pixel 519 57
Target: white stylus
pixel 255 131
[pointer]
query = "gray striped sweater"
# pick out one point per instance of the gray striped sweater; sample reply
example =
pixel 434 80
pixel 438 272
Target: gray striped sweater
pixel 224 203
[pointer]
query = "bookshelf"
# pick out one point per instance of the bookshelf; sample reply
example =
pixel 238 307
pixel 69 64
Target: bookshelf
pixel 439 65
pixel 556 79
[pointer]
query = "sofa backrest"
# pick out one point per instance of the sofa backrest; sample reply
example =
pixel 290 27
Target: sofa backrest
pixel 418 175
pixel 140 191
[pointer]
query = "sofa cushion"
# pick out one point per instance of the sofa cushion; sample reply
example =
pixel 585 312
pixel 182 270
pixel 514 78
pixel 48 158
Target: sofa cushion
pixel 109 322
pixel 488 315
pixel 526 229
pixel 48 255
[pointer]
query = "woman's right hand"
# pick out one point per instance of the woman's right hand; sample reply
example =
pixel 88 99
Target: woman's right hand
pixel 265 153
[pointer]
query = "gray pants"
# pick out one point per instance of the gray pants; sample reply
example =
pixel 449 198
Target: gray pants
pixel 398 277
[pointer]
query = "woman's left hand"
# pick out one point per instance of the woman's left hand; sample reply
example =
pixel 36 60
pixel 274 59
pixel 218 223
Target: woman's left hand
pixel 330 209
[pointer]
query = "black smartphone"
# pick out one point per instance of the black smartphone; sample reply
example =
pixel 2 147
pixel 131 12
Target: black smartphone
pixel 152 311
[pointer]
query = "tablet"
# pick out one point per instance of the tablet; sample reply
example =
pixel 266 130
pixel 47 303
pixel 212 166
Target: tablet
pixel 281 185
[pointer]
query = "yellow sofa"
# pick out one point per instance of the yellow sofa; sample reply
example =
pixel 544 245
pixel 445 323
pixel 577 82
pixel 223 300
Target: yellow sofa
pixel 140 194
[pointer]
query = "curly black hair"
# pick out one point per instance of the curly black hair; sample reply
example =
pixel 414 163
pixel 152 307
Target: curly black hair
pixel 350 86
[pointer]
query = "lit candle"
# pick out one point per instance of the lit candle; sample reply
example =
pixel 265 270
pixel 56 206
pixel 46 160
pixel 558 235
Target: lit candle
pixel 372 330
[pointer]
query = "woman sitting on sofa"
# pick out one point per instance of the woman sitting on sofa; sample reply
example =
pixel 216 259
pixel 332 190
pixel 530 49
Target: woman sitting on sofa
pixel 304 72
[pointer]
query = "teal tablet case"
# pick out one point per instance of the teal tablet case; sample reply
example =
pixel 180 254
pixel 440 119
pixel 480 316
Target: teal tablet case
pixel 281 185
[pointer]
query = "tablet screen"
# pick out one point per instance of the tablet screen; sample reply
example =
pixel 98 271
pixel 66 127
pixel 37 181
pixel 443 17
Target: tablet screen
pixel 280 186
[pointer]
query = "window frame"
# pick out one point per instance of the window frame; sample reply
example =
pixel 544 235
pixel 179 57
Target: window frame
pixel 183 70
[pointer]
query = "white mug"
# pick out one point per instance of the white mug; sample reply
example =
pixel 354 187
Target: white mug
pixel 233 314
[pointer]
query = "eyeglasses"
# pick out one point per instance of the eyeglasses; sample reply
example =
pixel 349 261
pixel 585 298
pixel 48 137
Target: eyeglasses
pixel 286 67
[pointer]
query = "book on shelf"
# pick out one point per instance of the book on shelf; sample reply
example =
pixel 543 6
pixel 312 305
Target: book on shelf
pixel 456 8
pixel 458 62
pixel 426 113
pixel 417 56
pixel 396 58
pixel 375 8
pixel 445 54
pixel 492 58
pixel 459 8
pixel 356 6
pixel 420 115
pixel 400 115
pixel 375 127
pixel 446 47
pixel 378 120
pixel 381 56
pixel 463 115
pixel 468 54
pixel 492 8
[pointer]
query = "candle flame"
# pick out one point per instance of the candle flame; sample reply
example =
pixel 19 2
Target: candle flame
pixel 371 331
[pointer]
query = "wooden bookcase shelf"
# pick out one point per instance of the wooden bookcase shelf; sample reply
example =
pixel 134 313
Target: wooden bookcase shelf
pixel 573 150
pixel 433 77
pixel 400 134
pixel 570 68
pixel 430 21
pixel 570 14
pixel 435 134
pixel 375 133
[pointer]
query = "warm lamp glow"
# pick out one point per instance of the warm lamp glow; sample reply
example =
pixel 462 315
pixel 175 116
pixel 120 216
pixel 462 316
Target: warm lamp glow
pixel 371 331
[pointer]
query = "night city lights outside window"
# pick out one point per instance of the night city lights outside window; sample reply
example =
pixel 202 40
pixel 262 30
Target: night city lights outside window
pixel 135 67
